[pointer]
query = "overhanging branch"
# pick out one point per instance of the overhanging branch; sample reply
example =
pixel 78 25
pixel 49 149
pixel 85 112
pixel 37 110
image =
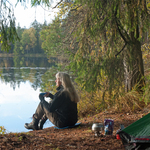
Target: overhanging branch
pixel 121 50
pixel 120 27
pixel 57 4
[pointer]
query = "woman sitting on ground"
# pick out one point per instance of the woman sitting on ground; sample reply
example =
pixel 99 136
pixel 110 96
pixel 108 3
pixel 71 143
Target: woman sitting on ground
pixel 61 110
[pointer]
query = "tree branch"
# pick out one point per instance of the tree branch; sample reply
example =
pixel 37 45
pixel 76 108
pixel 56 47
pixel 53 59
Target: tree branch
pixel 119 25
pixel 57 4
pixel 121 50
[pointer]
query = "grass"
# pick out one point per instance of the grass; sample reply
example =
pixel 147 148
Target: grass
pixel 125 102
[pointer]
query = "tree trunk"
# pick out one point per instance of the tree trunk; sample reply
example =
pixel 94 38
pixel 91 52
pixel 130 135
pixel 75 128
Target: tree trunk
pixel 134 68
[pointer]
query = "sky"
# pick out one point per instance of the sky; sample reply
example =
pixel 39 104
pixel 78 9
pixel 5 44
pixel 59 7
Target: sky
pixel 26 16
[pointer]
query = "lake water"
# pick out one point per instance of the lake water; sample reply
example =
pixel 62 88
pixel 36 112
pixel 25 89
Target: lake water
pixel 20 85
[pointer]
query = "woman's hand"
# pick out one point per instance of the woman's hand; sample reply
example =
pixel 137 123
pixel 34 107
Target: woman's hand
pixel 47 94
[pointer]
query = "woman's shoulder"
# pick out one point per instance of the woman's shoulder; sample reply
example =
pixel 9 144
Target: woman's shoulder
pixel 65 92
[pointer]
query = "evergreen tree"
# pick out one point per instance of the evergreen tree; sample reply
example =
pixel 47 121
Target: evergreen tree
pixel 109 35
pixel 8 32
pixel 38 27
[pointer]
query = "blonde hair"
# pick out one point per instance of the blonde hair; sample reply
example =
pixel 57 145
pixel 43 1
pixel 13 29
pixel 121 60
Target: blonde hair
pixel 64 78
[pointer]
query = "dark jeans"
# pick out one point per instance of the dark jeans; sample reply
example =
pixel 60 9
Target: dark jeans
pixel 42 113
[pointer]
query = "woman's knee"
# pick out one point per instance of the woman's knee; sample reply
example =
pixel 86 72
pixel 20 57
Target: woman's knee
pixel 41 95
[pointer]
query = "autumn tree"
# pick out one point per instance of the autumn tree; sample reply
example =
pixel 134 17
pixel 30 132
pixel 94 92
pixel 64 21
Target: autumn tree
pixel 28 39
pixel 51 37
pixel 33 38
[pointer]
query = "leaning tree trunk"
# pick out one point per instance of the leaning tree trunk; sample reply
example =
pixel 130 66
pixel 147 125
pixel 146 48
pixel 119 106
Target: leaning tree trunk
pixel 134 68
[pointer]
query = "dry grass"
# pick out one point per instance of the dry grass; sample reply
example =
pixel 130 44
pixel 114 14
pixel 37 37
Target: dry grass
pixel 93 103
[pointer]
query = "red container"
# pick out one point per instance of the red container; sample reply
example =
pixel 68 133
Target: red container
pixel 118 137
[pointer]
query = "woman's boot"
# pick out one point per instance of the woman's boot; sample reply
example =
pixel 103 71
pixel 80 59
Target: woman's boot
pixel 41 123
pixel 33 125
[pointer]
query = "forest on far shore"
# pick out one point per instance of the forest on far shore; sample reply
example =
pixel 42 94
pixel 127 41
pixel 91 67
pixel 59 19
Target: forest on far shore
pixel 29 41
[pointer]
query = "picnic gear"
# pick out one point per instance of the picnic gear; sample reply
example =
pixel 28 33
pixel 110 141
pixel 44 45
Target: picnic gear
pixel 97 128
pixel 137 135
pixel 108 126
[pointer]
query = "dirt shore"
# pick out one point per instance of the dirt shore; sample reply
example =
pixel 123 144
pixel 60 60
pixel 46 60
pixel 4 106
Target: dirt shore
pixel 81 137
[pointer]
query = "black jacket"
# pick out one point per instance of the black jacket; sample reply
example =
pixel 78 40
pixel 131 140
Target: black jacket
pixel 63 106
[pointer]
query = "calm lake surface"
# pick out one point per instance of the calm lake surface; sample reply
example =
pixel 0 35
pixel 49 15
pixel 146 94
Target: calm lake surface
pixel 20 85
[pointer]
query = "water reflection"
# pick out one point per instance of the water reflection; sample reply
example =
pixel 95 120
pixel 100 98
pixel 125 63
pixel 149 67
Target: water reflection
pixel 19 90
pixel 14 70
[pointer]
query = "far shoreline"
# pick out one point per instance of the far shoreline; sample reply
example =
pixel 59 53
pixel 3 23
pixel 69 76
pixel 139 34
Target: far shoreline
pixel 24 55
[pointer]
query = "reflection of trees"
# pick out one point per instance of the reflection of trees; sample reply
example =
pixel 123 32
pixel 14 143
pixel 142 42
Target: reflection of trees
pixel 13 84
pixel 5 62
pixel 48 80
pixel 37 81
pixel 22 69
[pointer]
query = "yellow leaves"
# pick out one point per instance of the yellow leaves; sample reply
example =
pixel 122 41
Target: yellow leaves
pixel 148 5
pixel 72 5
pixel 2 130
pixel 0 39
pixel 145 50
pixel 65 7
pixel 64 4
pixel 82 31
pixel 92 53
